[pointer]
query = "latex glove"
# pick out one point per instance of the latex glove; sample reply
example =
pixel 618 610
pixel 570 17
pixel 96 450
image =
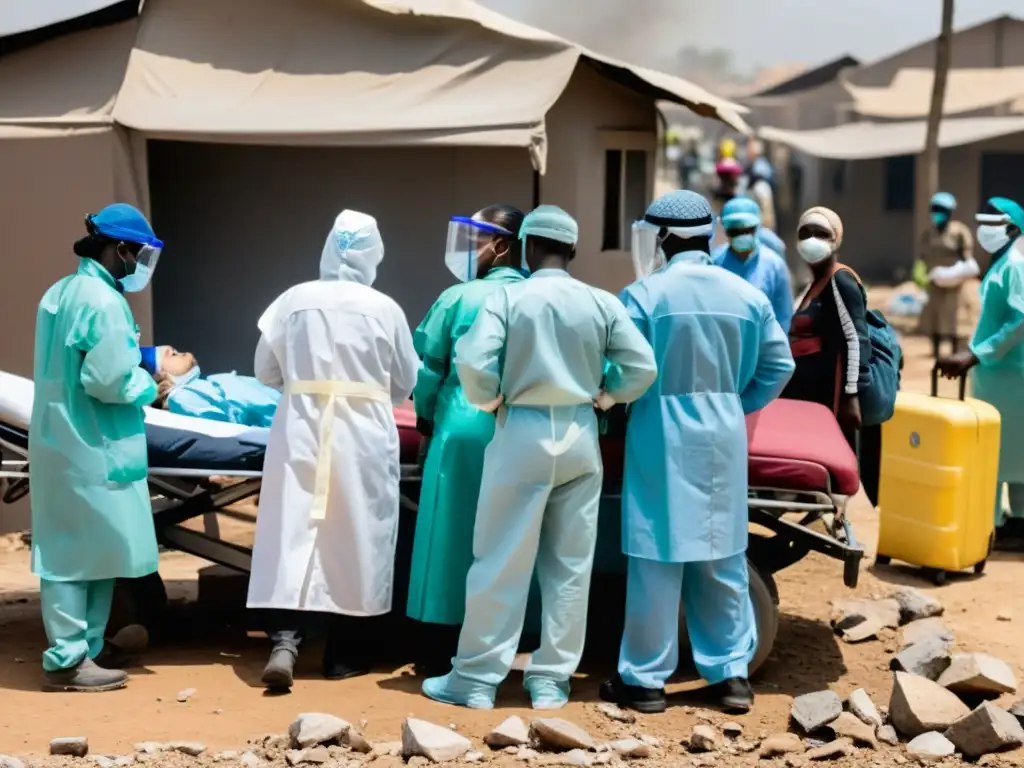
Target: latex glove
pixel 603 401
pixel 492 406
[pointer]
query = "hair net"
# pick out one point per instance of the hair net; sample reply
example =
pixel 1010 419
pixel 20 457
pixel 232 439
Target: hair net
pixel 827 218
pixel 1010 208
pixel 551 222
pixel 686 213
pixel 121 221
pixel 353 250
pixel 741 213
pixel 944 200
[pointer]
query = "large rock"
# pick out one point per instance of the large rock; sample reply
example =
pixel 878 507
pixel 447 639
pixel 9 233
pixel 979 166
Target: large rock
pixel 916 631
pixel 851 726
pixel 915 604
pixel 887 735
pixel 781 744
pixel 703 738
pixel 928 658
pixel 849 613
pixel 434 742
pixel 919 705
pixel 816 710
pixel 978 673
pixel 511 733
pixel 559 735
pixel 1017 710
pixel 314 728
pixel 6 761
pixel 868 629
pixel 986 729
pixel 73 746
pixel 861 705
pixel 930 747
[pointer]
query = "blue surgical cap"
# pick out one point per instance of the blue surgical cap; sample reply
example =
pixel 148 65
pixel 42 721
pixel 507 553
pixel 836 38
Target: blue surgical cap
pixel 149 359
pixel 121 221
pixel 684 210
pixel 1010 208
pixel 741 213
pixel 944 200
pixel 551 222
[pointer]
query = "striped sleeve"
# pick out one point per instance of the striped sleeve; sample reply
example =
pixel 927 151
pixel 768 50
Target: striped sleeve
pixel 853 321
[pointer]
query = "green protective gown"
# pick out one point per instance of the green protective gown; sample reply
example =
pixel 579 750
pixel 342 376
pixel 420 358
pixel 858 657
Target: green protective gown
pixel 443 547
pixel 91 515
pixel 998 378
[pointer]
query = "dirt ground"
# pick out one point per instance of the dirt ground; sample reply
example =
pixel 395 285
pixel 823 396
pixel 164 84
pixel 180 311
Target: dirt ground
pixel 229 707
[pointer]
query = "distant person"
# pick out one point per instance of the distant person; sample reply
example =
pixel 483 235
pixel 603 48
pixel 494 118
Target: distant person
pixel 946 252
pixel 759 187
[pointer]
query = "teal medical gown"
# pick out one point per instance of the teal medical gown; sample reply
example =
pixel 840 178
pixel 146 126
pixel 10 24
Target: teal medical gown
pixel 543 344
pixel 91 515
pixel 766 270
pixel 226 397
pixel 721 354
pixel 999 376
pixel 443 546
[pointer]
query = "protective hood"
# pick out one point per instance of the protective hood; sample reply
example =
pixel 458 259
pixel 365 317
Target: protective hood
pixel 353 250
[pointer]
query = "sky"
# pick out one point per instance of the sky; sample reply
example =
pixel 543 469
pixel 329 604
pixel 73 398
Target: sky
pixel 759 32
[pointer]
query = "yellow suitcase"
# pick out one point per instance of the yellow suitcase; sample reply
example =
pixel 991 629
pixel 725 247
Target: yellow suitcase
pixel 937 490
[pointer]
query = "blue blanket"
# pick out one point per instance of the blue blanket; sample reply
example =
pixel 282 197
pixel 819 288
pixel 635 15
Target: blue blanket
pixel 226 397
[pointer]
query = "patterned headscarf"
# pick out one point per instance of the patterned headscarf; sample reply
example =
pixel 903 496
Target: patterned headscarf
pixel 826 218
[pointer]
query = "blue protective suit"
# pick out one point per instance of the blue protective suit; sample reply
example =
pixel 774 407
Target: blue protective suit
pixel 999 376
pixel 770 240
pixel 721 354
pixel 226 397
pixel 766 270
pixel 543 344
pixel 91 515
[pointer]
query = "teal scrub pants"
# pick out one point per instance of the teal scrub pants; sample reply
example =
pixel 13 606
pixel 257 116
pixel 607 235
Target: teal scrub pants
pixel 719 619
pixel 75 615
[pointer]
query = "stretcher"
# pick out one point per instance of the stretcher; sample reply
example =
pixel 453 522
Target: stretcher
pixel 801 473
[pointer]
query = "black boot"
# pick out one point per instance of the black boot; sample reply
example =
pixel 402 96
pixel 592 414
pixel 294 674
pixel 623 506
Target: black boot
pixel 734 695
pixel 279 673
pixel 646 700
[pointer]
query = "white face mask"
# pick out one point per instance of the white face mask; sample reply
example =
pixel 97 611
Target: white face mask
pixel 992 237
pixel 814 250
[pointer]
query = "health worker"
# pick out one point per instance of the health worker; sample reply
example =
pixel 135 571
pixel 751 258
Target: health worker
pixel 746 257
pixel 995 358
pixel 92 521
pixel 538 352
pixel 946 255
pixel 342 354
pixel 721 354
pixel 484 253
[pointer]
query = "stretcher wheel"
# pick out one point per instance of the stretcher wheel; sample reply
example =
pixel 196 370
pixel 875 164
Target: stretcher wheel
pixel 882 559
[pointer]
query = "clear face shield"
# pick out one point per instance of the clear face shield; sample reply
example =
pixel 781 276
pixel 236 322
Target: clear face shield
pixel 145 264
pixel 646 244
pixel 466 238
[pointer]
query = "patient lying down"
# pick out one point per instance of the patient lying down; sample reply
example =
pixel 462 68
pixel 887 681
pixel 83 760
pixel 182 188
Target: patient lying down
pixel 219 397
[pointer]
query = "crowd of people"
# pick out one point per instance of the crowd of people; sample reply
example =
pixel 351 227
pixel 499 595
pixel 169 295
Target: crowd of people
pixel 508 372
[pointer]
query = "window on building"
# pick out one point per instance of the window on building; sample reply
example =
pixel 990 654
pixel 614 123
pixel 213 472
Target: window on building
pixel 626 186
pixel 900 183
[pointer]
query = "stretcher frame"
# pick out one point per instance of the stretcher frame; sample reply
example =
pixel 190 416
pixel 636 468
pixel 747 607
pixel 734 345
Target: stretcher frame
pixel 181 495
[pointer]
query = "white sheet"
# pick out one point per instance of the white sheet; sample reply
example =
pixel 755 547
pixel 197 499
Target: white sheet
pixel 17 394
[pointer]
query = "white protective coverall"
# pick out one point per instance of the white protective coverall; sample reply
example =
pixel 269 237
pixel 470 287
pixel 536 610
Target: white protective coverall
pixel 342 354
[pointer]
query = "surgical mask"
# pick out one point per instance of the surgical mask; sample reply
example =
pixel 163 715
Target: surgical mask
pixel 145 265
pixel 993 237
pixel 186 378
pixel 743 243
pixel 814 250
pixel 939 218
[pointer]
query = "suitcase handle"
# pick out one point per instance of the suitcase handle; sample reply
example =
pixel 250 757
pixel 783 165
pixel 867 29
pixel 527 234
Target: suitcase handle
pixel 935 383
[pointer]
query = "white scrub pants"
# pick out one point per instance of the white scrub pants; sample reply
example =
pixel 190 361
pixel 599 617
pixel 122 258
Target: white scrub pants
pixel 719 618
pixel 75 615
pixel 538 506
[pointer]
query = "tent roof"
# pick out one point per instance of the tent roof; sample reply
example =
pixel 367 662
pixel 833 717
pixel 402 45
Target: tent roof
pixel 862 141
pixel 967 90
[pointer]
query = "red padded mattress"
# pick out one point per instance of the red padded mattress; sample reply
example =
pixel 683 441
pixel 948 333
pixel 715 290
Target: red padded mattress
pixel 793 445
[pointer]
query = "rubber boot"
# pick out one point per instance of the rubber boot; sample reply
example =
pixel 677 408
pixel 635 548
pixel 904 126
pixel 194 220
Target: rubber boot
pixel 279 674
pixel 87 677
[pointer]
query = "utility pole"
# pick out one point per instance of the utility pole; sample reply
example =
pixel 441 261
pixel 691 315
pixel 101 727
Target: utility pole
pixel 931 144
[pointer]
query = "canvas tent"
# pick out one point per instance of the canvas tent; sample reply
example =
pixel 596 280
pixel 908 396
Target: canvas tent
pixel 967 90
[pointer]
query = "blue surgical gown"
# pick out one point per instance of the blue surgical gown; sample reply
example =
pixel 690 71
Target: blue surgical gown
pixel 226 397
pixel 766 270
pixel 997 343
pixel 721 354
pixel 771 241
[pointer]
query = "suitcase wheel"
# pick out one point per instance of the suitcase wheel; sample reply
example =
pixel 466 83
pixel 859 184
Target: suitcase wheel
pixel 979 568
pixel 882 559
pixel 936 576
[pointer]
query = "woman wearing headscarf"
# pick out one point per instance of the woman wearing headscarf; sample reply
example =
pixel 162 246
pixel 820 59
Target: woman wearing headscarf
pixel 996 354
pixel 342 354
pixel 829 336
pixel 484 253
